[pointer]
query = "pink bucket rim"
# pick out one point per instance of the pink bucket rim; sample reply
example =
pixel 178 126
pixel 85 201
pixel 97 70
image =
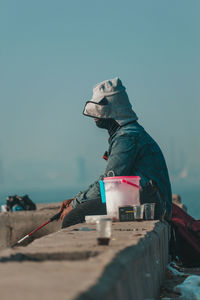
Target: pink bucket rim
pixel 122 177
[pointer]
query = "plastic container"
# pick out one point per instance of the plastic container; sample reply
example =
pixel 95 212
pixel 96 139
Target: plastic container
pixel 94 219
pixel 119 191
pixel 138 212
pixel 103 227
pixel 149 210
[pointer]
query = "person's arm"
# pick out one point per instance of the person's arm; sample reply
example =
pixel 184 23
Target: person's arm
pixel 120 163
pixel 93 192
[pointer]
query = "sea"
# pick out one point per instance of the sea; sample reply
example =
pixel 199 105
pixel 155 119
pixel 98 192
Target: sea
pixel 190 195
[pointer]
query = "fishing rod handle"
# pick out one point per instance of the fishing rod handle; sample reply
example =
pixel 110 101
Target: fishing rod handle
pixel 56 217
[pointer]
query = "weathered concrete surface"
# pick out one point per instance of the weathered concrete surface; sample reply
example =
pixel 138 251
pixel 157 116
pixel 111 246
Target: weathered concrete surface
pixel 69 264
pixel 15 225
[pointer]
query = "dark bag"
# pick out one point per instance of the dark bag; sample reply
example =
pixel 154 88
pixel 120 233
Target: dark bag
pixel 185 241
pixel 25 202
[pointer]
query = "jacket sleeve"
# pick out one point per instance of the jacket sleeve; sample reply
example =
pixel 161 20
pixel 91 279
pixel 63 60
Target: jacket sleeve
pixel 93 192
pixel 122 154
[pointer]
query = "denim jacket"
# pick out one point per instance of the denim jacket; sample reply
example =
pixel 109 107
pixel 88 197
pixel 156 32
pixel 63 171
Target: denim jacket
pixel 132 152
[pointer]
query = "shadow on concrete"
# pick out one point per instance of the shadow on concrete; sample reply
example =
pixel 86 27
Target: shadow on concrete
pixel 39 257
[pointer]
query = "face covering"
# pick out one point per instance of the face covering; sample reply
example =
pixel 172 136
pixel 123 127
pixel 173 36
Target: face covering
pixel 110 124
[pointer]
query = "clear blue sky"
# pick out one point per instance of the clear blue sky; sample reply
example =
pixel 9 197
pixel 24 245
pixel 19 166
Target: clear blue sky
pixel 52 53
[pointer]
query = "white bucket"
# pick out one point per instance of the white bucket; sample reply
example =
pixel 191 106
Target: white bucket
pixel 121 191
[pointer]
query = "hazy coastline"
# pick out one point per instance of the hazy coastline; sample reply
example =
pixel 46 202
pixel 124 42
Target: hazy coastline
pixel 190 195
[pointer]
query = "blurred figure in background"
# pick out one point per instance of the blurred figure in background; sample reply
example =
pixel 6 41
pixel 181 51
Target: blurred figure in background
pixel 176 199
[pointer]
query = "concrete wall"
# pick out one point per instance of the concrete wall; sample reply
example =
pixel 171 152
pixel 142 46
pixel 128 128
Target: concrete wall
pixel 15 225
pixel 136 272
pixel 69 264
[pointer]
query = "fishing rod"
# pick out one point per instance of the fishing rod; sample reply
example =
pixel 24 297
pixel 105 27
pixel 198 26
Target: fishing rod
pixel 55 217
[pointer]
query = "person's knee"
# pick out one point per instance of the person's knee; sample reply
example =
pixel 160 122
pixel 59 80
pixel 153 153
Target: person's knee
pixel 72 218
pixel 77 215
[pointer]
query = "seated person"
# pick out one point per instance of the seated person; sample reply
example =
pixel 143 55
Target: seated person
pixel 132 152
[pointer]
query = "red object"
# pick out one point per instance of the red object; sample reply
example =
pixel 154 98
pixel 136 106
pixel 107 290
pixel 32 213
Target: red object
pixel 35 230
pixel 130 183
pixel 55 217
pixel 187 235
pixel 105 156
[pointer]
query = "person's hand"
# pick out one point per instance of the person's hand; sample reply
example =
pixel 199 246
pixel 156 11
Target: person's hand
pixel 65 207
pixel 65 204
pixel 66 211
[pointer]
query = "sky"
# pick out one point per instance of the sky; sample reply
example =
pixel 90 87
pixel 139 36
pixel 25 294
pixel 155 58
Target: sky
pixel 52 53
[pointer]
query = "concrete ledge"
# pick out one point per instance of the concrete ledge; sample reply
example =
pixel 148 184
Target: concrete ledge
pixel 70 264
pixel 136 272
pixel 15 225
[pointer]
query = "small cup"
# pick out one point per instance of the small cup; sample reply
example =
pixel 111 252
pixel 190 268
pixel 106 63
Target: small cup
pixel 104 231
pixel 149 209
pixel 138 212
